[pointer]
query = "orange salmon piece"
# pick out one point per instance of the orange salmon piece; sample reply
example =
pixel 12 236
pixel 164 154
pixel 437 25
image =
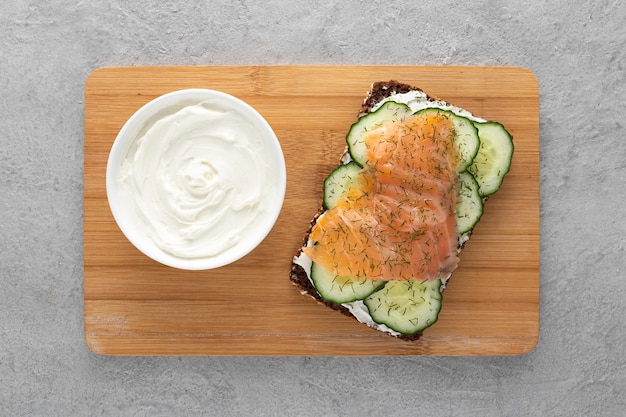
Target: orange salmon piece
pixel 400 224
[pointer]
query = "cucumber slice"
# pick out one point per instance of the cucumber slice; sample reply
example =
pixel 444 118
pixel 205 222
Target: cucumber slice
pixel 407 307
pixel 466 136
pixel 389 111
pixel 493 160
pixel 341 289
pixel 342 179
pixel 469 205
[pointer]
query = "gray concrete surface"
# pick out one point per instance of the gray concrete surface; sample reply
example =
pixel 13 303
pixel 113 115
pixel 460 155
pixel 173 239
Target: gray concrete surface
pixel 577 50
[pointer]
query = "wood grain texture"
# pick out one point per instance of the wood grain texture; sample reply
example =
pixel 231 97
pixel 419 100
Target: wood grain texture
pixel 134 306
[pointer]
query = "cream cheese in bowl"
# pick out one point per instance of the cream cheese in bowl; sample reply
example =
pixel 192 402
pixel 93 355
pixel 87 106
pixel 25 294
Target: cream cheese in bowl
pixel 196 179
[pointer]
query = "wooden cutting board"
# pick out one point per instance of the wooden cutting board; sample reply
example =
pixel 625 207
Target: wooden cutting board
pixel 134 306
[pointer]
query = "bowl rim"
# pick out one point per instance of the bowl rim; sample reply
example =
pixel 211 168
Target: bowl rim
pixel 144 117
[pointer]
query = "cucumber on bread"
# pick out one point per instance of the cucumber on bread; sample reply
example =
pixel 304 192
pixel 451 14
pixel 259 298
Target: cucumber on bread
pixel 401 306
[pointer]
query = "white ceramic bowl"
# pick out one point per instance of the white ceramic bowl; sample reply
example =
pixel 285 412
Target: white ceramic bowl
pixel 131 216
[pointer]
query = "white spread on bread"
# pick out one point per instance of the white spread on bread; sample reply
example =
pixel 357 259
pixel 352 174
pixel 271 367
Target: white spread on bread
pixel 198 179
pixel 416 100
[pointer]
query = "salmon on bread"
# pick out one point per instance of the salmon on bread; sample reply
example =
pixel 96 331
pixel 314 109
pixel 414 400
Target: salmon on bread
pixel 398 209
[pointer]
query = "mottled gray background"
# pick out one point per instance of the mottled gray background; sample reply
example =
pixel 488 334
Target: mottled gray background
pixel 577 50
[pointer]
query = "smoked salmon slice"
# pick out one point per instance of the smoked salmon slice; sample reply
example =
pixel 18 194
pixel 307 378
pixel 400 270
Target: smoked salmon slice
pixel 399 222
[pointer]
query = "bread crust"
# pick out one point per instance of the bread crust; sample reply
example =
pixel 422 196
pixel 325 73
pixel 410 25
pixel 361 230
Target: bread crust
pixel 381 90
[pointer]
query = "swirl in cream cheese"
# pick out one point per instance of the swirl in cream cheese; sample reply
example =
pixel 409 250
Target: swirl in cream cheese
pixel 199 179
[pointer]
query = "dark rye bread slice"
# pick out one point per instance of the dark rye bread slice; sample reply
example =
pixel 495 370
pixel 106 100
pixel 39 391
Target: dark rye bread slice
pixel 298 276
